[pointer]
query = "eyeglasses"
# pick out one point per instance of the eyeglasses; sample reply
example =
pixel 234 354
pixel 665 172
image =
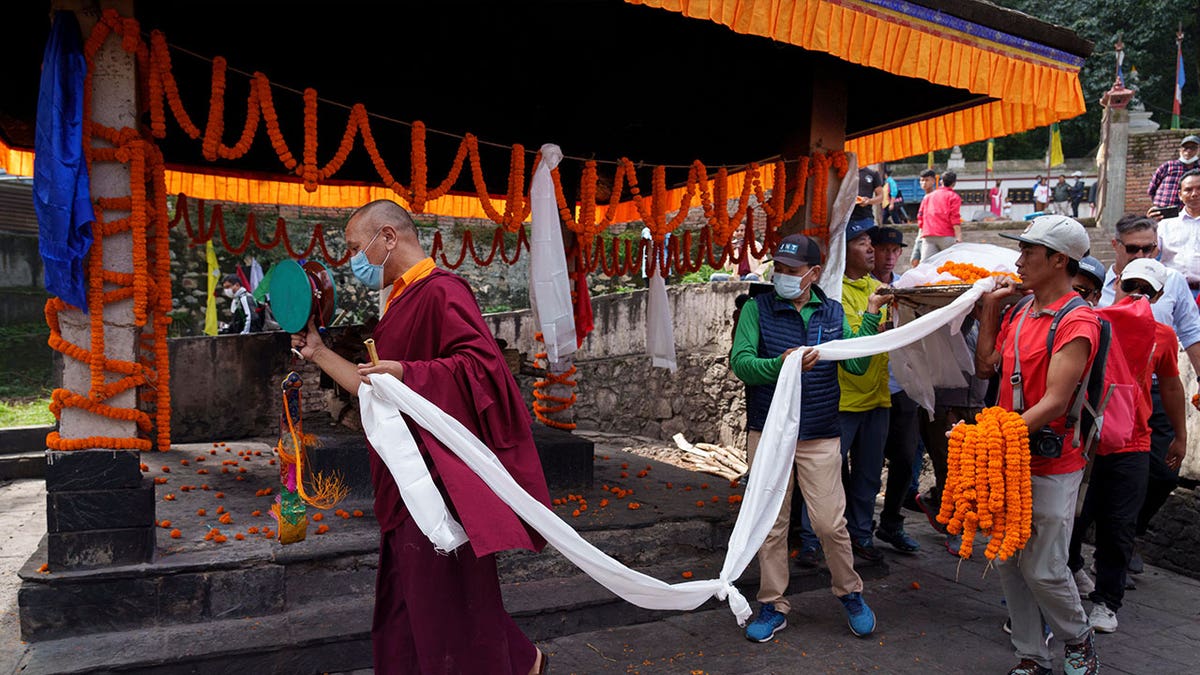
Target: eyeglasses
pixel 1133 249
pixel 1136 286
pixel 1086 292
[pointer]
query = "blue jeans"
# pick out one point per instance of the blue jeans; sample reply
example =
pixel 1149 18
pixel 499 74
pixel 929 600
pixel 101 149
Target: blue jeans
pixel 863 438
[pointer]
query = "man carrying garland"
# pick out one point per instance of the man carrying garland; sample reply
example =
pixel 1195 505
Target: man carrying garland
pixel 769 328
pixel 438 613
pixel 1040 384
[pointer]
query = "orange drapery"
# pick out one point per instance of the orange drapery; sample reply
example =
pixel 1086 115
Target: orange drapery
pixel 16 162
pixel 1031 89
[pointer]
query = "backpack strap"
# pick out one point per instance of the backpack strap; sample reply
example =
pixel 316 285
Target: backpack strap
pixel 1016 379
pixel 1078 399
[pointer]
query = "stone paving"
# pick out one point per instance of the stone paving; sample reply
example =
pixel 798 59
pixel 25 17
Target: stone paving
pixel 935 614
pixel 927 622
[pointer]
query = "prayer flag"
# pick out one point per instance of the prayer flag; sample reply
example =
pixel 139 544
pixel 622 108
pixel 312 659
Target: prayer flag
pixel 1056 151
pixel 214 275
pixel 991 151
pixel 1180 80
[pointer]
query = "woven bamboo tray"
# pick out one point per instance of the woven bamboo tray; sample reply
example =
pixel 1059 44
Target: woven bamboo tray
pixel 927 296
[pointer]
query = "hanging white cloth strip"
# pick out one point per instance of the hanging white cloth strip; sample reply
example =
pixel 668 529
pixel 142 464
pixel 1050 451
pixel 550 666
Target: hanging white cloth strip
pixel 660 325
pixel 550 284
pixel 843 206
pixel 761 504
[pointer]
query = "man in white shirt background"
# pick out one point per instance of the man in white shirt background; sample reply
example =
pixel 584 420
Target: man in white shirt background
pixel 1179 237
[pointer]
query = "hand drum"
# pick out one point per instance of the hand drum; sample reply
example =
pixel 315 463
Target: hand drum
pixel 302 291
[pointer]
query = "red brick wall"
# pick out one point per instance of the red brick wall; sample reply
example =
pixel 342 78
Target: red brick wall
pixel 1146 153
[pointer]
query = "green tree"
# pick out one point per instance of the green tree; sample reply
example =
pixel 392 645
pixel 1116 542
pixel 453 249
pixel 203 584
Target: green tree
pixel 1148 30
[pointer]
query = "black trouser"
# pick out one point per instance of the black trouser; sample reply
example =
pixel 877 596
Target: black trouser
pixel 1114 495
pixel 900 451
pixel 933 432
pixel 1163 479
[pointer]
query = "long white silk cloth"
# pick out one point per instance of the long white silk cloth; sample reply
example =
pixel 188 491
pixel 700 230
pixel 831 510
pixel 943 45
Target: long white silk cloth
pixel 660 326
pixel 843 206
pixel 549 281
pixel 763 499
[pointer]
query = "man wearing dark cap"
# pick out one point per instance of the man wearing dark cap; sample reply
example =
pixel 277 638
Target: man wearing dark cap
pixel 769 328
pixel 1039 381
pixel 1164 185
pixel 900 449
pixel 1089 282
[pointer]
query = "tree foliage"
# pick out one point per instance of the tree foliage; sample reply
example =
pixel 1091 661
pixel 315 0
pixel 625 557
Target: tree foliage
pixel 1148 30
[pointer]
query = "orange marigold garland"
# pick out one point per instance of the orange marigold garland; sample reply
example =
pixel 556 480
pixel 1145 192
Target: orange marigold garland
pixel 969 274
pixel 545 404
pixel 988 486
pixel 148 286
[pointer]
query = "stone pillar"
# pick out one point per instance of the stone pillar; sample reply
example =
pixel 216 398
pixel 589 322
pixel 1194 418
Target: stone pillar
pixel 100 510
pixel 1112 191
pixel 821 128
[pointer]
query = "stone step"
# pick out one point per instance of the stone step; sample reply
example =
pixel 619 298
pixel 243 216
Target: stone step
pixel 333 634
pixel 22 465
pixel 21 440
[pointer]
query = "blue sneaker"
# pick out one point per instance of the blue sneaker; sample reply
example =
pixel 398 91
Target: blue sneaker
pixel 858 615
pixel 768 623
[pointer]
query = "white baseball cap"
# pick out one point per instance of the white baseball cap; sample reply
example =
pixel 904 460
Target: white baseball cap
pixel 1146 269
pixel 1057 233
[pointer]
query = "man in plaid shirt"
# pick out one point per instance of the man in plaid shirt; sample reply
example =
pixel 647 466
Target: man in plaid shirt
pixel 1164 186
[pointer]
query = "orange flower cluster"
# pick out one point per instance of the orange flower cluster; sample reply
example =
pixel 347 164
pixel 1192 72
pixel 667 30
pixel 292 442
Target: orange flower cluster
pixel 988 486
pixel 969 274
pixel 545 404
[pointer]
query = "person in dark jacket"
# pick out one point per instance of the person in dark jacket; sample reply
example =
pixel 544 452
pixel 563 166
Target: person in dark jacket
pixel 245 316
pixel 769 328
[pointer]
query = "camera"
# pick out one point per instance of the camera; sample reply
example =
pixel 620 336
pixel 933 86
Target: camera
pixel 1045 442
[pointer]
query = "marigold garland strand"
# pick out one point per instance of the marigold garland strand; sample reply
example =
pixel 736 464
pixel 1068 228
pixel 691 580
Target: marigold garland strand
pixel 148 286
pixel 988 485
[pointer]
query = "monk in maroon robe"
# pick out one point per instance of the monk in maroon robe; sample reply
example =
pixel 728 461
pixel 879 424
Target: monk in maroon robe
pixel 438 613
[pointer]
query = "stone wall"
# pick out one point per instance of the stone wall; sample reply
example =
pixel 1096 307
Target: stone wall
pixel 227 387
pixel 618 390
pixel 1146 153
pixel 1173 540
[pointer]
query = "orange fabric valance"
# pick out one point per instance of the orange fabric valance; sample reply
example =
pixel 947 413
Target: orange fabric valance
pixel 16 162
pixel 267 191
pixel 1033 85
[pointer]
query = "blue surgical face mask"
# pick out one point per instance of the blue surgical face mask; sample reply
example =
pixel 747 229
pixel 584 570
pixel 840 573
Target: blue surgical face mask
pixel 789 287
pixel 368 273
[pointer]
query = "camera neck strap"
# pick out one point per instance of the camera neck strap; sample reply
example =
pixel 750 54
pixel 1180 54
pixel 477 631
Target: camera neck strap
pixel 1024 308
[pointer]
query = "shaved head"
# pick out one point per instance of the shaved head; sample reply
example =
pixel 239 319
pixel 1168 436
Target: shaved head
pixel 388 231
pixel 373 216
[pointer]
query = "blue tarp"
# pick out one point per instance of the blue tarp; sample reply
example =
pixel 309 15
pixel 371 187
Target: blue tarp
pixel 61 192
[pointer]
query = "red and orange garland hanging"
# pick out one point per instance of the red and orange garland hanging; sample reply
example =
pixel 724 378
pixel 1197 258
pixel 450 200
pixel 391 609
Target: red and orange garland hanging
pixel 988 487
pixel 713 191
pixel 148 286
pixel 546 404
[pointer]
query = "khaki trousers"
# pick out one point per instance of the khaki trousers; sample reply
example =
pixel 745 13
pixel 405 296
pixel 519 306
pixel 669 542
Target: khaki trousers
pixel 819 475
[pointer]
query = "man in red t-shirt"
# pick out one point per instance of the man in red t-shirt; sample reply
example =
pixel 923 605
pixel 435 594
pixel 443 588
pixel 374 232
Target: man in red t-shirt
pixel 1037 583
pixel 940 218
pixel 1117 485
